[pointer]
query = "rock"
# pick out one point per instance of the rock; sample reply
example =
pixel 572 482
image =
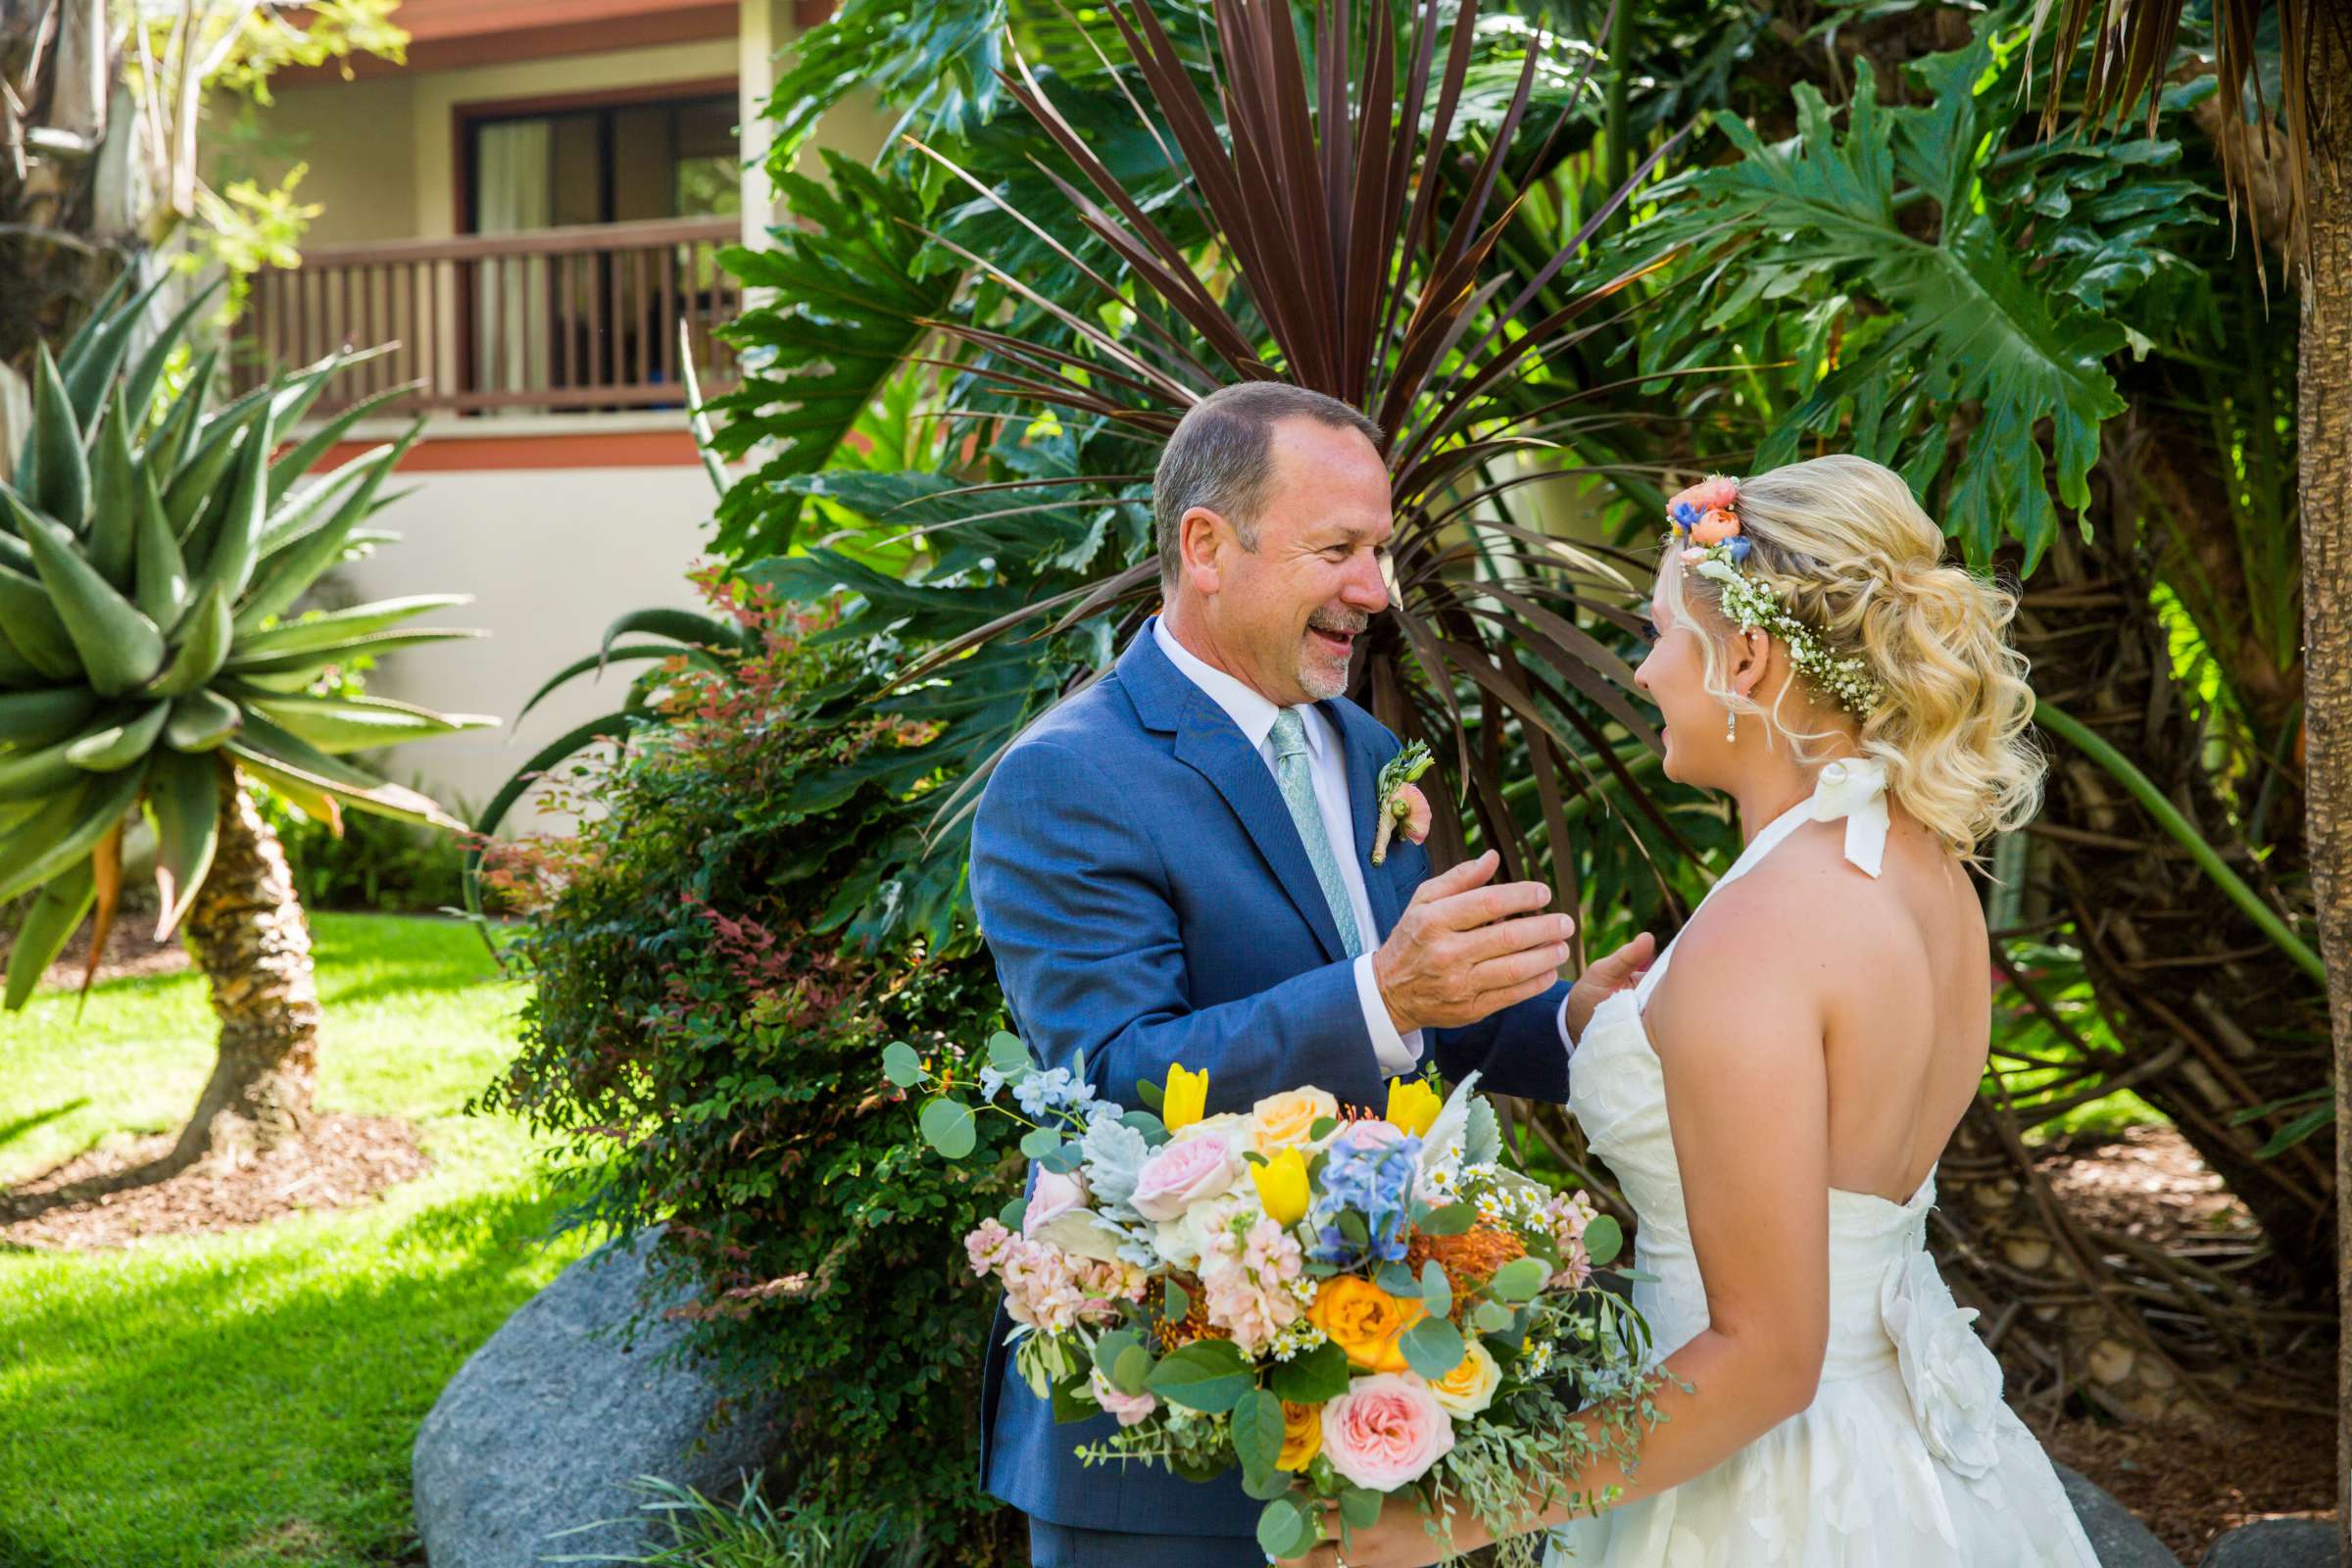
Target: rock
pixel 2274 1543
pixel 546 1425
pixel 2119 1539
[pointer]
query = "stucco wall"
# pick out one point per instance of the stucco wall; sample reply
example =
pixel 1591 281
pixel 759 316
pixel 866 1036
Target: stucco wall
pixel 551 556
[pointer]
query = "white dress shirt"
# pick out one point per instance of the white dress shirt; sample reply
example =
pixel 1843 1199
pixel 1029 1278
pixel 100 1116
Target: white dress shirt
pixel 1327 763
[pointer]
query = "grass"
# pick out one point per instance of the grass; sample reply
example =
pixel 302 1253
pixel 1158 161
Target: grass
pixel 250 1396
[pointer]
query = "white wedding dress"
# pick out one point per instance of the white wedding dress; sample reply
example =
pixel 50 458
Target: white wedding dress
pixel 1907 1457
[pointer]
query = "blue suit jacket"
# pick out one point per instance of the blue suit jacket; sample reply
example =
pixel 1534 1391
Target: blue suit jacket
pixel 1147 902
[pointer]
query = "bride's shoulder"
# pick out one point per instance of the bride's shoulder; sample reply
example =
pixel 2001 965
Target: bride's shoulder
pixel 1807 901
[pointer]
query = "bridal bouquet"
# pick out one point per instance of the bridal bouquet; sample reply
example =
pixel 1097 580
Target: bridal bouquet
pixel 1343 1306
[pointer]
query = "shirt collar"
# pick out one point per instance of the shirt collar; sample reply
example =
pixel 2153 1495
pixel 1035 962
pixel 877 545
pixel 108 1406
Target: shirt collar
pixel 1249 710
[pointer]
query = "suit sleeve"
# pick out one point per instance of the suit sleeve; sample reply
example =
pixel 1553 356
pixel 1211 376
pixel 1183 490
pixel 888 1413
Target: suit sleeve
pixel 1075 903
pixel 1519 1051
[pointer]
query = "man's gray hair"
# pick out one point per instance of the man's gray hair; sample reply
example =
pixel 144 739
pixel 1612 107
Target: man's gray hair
pixel 1222 454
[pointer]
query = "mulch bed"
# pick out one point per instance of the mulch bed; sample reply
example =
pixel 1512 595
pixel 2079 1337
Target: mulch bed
pixel 2192 1480
pixel 345 1160
pixel 2189 1482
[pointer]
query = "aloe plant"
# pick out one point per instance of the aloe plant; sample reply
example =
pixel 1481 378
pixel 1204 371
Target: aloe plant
pixel 147 566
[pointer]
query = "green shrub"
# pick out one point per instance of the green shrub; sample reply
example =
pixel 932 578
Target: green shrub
pixel 706 1050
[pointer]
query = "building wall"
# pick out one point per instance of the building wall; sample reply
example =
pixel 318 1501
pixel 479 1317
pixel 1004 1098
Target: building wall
pixel 554 550
pixel 383 152
pixel 551 556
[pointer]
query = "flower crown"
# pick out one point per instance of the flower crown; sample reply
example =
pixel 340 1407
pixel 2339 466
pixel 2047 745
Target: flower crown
pixel 1705 518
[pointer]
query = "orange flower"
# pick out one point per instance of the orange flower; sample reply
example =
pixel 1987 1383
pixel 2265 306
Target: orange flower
pixel 1301 1435
pixel 1365 1321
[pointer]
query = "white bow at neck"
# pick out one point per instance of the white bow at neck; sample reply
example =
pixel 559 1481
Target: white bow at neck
pixel 1854 788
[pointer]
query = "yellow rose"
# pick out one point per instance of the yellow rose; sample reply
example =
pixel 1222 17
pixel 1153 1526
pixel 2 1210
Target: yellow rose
pixel 1185 1098
pixel 1282 1189
pixel 1412 1105
pixel 1301 1435
pixel 1364 1320
pixel 1470 1386
pixel 1279 1121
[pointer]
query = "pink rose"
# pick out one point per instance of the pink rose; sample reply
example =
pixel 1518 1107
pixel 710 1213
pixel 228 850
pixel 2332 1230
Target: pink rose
pixel 1182 1174
pixel 1385 1430
pixel 1128 1407
pixel 1056 1195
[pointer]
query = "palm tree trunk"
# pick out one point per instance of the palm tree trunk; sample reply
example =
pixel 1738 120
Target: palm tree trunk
pixel 2324 437
pixel 248 933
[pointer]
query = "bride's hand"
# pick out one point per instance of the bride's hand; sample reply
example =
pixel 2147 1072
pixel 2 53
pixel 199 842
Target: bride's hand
pixel 1619 971
pixel 1398 1539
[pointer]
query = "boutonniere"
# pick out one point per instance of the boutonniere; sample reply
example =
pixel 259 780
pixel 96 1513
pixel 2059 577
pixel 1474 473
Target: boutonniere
pixel 1402 803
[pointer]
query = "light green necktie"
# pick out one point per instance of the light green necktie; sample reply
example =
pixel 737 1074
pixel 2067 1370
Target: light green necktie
pixel 1296 776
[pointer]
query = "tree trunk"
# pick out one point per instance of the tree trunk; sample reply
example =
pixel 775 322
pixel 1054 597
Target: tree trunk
pixel 2324 435
pixel 249 935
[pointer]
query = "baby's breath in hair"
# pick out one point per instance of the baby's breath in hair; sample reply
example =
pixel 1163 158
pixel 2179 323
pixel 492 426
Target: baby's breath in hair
pixel 1749 602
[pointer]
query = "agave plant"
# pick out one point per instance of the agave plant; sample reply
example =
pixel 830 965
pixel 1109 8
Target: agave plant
pixel 146 569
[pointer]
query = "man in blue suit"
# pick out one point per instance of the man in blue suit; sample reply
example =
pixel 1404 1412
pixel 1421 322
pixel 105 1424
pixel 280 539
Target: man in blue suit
pixel 1175 866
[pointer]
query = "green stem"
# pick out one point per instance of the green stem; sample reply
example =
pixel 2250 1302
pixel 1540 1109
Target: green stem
pixel 1620 154
pixel 2168 816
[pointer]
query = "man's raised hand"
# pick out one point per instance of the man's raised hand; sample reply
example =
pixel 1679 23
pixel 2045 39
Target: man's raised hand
pixel 1464 949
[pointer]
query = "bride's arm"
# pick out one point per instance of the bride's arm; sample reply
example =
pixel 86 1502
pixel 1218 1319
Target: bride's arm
pixel 1737 1023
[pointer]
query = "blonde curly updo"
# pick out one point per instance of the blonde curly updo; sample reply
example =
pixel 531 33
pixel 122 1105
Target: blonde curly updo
pixel 1852 556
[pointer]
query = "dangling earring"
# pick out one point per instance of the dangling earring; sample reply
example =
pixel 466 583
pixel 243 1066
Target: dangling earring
pixel 1731 724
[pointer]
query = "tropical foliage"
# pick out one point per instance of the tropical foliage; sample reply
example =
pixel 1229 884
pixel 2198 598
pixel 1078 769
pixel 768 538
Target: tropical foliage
pixel 702 1060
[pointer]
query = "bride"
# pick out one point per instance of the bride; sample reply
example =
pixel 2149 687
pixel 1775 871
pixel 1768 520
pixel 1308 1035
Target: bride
pixel 1774 1091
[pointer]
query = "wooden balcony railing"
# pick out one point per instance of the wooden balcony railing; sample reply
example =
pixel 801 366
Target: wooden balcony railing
pixel 549 321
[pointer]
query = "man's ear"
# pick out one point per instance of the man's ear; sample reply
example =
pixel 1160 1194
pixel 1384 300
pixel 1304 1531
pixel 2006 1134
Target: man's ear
pixel 1750 655
pixel 1202 539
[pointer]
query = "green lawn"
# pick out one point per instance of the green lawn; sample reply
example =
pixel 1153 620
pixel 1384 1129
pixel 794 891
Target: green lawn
pixel 250 1397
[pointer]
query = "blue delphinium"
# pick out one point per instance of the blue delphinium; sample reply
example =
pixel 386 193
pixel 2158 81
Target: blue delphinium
pixel 1368 1173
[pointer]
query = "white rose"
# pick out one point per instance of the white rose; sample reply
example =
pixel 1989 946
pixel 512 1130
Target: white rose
pixel 1470 1386
pixel 1953 1380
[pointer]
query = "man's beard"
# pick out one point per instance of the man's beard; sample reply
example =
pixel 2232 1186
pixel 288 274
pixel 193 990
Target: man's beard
pixel 1320 680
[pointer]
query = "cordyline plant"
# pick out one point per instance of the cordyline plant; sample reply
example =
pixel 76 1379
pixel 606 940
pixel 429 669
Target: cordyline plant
pixel 144 569
pixel 1330 225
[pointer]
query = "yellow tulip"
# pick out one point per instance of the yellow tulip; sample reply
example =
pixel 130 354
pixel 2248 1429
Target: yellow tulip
pixel 1412 1105
pixel 1185 1099
pixel 1282 1185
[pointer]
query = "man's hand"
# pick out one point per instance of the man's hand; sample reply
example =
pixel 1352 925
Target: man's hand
pixel 1619 971
pixel 1462 950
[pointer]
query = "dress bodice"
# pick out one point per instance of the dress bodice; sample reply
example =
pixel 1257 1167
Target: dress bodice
pixel 1906 1453
pixel 1888 1304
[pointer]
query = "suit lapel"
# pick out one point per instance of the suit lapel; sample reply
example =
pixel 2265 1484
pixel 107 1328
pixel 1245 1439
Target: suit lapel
pixel 1210 741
